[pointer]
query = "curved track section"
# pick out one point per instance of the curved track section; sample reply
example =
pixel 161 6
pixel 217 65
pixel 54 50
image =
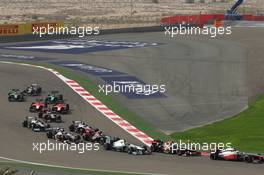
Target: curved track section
pixel 207 79
pixel 15 136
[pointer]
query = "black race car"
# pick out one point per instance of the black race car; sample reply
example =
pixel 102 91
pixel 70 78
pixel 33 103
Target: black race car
pixel 53 131
pixel 78 127
pixel 50 117
pixel 32 90
pixel 168 147
pixel 64 137
pixel 15 96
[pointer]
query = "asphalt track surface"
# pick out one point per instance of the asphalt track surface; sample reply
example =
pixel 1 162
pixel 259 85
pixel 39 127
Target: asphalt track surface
pixel 18 141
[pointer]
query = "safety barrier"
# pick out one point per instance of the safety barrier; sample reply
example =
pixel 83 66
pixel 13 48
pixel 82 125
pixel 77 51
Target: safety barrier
pixel 26 28
pixel 202 19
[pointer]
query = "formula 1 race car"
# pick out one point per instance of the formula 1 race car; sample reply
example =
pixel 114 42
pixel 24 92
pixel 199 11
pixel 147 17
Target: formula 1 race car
pixel 32 90
pixel 92 135
pixel 50 117
pixel 53 131
pixel 15 96
pixel 59 135
pixel 78 127
pixel 120 145
pixel 53 98
pixel 37 106
pixel 188 152
pixel 232 154
pixel 35 124
pixel 138 150
pixel 168 147
pixel 157 146
pixel 61 107
pixel 253 158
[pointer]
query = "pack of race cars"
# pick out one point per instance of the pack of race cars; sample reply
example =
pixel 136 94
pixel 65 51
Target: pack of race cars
pixel 51 109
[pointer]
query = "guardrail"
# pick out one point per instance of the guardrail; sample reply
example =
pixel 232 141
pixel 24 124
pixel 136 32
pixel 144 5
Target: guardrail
pixel 31 37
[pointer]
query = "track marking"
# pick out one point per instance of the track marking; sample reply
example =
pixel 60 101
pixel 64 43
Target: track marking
pixel 9 160
pixel 98 105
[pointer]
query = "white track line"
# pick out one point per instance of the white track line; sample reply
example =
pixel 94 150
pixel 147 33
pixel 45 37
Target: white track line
pixel 72 168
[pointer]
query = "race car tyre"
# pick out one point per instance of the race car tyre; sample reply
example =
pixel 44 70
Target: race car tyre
pixel 213 157
pixel 25 124
pixel 32 109
pixel 87 138
pixel 59 120
pixel 49 135
pixel 107 146
pixel 248 159
pixel 129 151
pixel 71 128
pixel 10 99
pixel 60 97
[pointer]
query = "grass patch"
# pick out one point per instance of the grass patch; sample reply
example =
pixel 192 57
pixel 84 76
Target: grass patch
pixel 245 131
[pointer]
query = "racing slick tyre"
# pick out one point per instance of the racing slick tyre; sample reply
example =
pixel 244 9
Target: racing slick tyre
pixel 80 130
pixel 25 124
pixel 71 128
pixel 10 99
pixel 107 146
pixel 59 120
pixel 21 99
pixel 77 139
pixel 248 159
pixel 87 138
pixel 129 151
pixel 60 97
pixel 213 157
pixel 50 135
pixel 33 109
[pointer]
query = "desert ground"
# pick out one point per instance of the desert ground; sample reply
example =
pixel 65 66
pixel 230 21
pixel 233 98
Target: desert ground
pixel 113 13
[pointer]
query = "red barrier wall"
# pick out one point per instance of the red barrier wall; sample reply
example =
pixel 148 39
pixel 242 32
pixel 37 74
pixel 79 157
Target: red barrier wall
pixel 201 20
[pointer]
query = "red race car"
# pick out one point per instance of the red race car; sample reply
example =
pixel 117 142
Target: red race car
pixel 61 107
pixel 37 106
